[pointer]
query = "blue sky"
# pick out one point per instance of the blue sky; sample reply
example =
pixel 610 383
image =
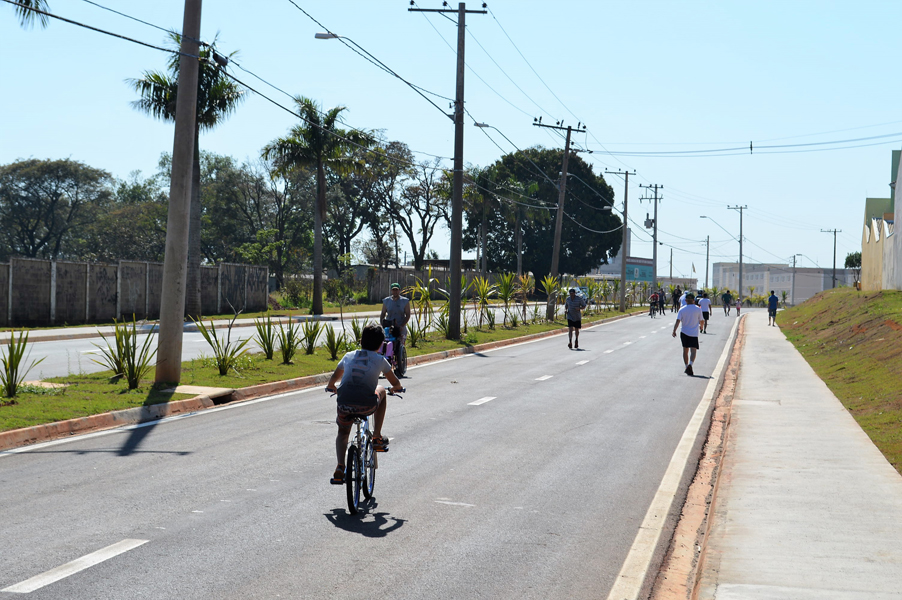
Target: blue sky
pixel 644 76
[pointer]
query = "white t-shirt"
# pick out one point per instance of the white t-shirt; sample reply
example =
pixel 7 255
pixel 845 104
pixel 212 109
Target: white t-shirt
pixel 690 316
pixel 362 368
pixel 705 304
pixel 683 299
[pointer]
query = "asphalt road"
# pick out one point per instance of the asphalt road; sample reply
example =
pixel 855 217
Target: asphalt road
pixel 536 493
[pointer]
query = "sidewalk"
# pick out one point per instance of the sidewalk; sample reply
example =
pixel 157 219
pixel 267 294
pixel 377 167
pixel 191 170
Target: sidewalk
pixel 807 508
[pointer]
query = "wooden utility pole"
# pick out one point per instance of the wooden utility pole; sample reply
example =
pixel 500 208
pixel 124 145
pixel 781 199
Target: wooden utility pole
pixel 457 195
pixel 175 262
pixel 626 193
pixel 834 232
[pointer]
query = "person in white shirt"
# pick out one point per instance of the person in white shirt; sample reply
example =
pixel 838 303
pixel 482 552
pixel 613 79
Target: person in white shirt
pixel 704 303
pixel 688 319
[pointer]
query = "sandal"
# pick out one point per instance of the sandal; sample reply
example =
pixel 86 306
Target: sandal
pixel 380 443
pixel 338 477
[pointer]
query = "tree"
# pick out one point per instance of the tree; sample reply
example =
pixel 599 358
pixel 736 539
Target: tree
pixel 853 261
pixel 389 165
pixel 423 204
pixel 317 142
pixel 217 97
pixel 43 202
pixel 27 17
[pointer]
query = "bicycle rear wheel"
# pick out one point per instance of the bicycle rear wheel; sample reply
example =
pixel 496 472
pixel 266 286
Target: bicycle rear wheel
pixel 369 469
pixel 352 480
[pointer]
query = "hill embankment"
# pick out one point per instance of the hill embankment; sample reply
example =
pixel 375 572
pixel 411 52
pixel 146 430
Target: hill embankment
pixel 853 340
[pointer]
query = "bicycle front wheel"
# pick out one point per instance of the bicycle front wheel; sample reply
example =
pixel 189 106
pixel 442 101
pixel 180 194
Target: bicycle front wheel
pixel 401 361
pixel 352 480
pixel 369 469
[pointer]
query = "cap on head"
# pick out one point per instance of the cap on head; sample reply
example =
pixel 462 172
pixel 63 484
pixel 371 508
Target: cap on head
pixel 572 290
pixel 396 286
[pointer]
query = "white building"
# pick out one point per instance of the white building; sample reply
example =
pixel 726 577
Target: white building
pixel 779 278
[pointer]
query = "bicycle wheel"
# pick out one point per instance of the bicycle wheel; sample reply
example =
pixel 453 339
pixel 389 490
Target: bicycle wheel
pixel 401 361
pixel 352 480
pixel 369 469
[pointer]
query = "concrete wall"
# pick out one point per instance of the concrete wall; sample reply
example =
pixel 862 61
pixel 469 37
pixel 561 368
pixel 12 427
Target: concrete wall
pixel 873 248
pixel 40 292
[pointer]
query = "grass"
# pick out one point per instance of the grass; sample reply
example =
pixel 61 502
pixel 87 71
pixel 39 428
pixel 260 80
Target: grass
pixel 853 341
pixel 95 393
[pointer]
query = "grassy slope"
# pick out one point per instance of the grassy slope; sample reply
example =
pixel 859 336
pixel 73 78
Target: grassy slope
pixel 853 340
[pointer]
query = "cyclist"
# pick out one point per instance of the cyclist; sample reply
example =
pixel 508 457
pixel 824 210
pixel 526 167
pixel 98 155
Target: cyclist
pixel 727 299
pixel 360 393
pixel 652 303
pixel 396 312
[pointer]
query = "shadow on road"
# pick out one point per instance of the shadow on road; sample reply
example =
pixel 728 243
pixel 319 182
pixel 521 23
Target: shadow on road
pixel 368 524
pixel 140 432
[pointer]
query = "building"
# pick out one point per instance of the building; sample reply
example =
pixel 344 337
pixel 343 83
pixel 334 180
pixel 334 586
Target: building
pixel 878 244
pixel 637 269
pixel 798 283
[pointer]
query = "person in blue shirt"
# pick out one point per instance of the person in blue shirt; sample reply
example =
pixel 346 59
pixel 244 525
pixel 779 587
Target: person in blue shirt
pixel 772 303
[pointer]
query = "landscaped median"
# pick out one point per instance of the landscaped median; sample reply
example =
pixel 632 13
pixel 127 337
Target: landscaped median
pixel 94 401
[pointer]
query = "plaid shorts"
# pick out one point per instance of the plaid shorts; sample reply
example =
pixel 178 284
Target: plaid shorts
pixel 344 418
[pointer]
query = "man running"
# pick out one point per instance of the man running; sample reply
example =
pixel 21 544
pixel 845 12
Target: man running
pixel 772 303
pixel 574 306
pixel 727 299
pixel 704 303
pixel 688 320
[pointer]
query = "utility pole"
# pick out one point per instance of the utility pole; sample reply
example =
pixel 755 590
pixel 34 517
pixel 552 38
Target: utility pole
pixel 626 192
pixel 175 261
pixel 457 195
pixel 559 221
pixel 792 293
pixel 707 258
pixel 654 254
pixel 671 266
pixel 740 209
pixel 834 232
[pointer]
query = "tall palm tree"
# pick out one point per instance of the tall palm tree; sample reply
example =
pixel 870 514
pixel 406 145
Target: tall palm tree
pixel 27 17
pixel 317 142
pixel 217 98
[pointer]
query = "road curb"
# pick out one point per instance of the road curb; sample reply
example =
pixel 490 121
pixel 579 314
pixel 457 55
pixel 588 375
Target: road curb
pixel 131 416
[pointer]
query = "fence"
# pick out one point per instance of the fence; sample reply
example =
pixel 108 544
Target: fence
pixel 43 292
pixel 380 280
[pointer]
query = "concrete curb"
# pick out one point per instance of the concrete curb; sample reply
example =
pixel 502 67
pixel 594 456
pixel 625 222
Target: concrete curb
pixel 52 431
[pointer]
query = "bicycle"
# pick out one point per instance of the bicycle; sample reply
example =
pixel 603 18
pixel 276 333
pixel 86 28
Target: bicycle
pixel 653 308
pixel 394 352
pixel 361 462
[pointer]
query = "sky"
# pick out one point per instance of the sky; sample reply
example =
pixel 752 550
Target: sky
pixel 675 79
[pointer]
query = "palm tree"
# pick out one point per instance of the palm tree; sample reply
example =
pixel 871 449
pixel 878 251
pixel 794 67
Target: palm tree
pixel 27 17
pixel 317 142
pixel 217 97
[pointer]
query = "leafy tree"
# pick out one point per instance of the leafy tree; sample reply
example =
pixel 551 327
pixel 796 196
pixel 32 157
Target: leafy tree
pixel 388 167
pixel 423 204
pixel 27 17
pixel 317 142
pixel 853 261
pixel 43 203
pixel 217 97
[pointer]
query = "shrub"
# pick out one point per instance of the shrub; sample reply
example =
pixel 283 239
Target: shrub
pixel 310 331
pixel 10 376
pixel 126 360
pixel 335 342
pixel 289 341
pixel 266 336
pixel 225 353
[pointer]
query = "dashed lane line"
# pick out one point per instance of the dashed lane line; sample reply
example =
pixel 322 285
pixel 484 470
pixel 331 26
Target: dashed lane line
pixel 71 568
pixel 544 377
pixel 482 401
pixel 582 362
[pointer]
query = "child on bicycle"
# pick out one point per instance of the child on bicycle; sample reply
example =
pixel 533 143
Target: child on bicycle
pixel 360 392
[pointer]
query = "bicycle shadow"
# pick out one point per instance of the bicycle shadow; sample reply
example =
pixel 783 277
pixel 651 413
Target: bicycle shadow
pixel 368 524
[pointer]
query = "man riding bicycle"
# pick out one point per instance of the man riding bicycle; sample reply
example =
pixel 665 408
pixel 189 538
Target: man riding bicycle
pixel 653 303
pixel 360 393
pixel 396 313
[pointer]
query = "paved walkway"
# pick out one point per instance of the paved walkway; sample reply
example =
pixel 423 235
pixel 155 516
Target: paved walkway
pixel 807 508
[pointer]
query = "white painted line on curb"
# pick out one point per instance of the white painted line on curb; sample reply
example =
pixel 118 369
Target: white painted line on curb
pixel 544 377
pixel 71 568
pixel 482 401
pixel 628 584
pixel 582 362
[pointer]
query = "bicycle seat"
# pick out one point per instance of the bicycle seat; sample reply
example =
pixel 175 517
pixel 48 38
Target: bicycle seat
pixel 356 417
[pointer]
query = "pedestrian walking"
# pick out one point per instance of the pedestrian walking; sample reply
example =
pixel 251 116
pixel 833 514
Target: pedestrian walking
pixel 772 303
pixel 738 304
pixel 704 303
pixel 675 299
pixel 727 299
pixel 688 321
pixel 574 306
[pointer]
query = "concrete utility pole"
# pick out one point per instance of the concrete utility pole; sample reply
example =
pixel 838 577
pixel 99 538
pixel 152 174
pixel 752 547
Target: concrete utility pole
pixel 654 254
pixel 834 232
pixel 559 221
pixel 707 258
pixel 457 194
pixel 792 292
pixel 175 262
pixel 626 193
pixel 740 209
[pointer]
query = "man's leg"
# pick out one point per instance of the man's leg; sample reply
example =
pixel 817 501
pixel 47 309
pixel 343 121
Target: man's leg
pixel 576 329
pixel 685 357
pixel 692 352
pixel 569 337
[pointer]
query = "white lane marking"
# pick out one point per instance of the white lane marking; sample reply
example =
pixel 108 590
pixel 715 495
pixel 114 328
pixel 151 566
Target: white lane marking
pixel 482 401
pixel 655 331
pixel 627 343
pixel 544 377
pixel 608 351
pixel 454 503
pixel 582 362
pixel 642 337
pixel 635 568
pixel 71 568
pixel 198 511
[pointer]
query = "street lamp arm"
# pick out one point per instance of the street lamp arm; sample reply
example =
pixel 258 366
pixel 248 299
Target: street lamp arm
pixel 719 225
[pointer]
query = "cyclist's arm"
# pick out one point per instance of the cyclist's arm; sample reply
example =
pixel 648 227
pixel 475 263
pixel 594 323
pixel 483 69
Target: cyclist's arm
pixel 394 381
pixel 336 377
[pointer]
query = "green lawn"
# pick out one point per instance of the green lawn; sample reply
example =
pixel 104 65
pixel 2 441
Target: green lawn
pixel 853 341
pixel 95 393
